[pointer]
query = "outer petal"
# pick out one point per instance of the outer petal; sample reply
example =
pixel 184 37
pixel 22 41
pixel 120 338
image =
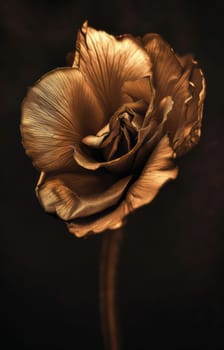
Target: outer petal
pixel 171 77
pixel 195 107
pixel 73 196
pixel 157 171
pixel 187 136
pixel 57 112
pixel 180 78
pixel 166 68
pixel 107 62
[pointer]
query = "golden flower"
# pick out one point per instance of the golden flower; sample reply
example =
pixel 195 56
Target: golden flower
pixel 104 133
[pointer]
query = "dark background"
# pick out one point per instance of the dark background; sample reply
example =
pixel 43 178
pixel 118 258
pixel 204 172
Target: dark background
pixel 171 270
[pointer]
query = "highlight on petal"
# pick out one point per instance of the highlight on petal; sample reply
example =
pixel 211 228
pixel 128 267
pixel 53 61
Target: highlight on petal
pixel 97 140
pixel 158 170
pixel 108 62
pixel 73 196
pixel 58 111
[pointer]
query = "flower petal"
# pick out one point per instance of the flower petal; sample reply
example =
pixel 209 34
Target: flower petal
pixel 188 135
pixel 57 112
pixel 195 107
pixel 170 77
pixel 181 95
pixel 107 62
pixel 123 160
pixel 166 68
pixel 156 132
pixel 118 165
pixel 76 196
pixel 185 60
pixel 175 76
pixel 157 171
pixel 139 89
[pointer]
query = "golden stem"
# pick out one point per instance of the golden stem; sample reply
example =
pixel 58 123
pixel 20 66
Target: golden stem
pixel 108 268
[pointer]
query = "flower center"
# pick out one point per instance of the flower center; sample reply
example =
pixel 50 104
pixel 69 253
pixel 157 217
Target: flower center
pixel 119 136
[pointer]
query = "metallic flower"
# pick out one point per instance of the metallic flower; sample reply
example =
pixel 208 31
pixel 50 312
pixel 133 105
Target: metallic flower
pixel 104 133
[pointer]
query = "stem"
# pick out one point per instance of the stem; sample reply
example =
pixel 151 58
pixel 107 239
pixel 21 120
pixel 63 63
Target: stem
pixel 108 269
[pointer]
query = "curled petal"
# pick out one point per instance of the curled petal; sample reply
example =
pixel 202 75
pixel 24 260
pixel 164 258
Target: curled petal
pixel 107 62
pixel 93 141
pixel 157 171
pixel 188 135
pixel 73 196
pixel 117 165
pixel 58 111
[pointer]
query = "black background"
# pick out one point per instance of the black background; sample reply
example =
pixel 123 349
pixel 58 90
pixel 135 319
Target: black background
pixel 171 270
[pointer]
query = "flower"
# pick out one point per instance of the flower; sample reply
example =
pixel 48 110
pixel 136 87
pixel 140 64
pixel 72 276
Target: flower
pixel 104 133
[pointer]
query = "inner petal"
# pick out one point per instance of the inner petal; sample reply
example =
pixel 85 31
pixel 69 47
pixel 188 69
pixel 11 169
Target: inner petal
pixel 125 138
pixel 116 138
pixel 114 146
